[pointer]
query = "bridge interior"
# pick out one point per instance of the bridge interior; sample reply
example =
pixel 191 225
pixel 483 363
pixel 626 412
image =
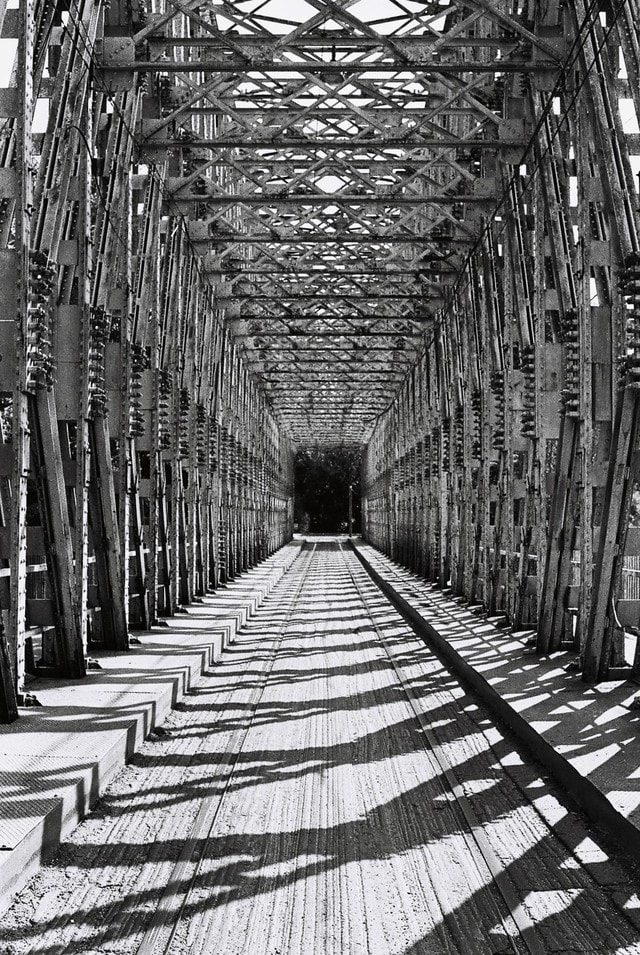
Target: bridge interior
pixel 231 232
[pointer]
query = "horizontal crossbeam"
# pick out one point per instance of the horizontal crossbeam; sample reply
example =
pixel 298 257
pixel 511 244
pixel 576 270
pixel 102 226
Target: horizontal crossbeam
pixel 231 64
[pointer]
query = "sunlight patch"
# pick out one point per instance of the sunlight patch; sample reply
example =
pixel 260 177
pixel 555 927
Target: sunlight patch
pixel 624 801
pixel 511 759
pixel 541 905
pixel 632 903
pixel 471 787
pixel 288 867
pixel 590 761
pixel 550 808
pixel 589 851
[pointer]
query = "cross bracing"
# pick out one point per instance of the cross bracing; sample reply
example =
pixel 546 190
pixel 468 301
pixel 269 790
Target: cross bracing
pixel 319 140
pixel 233 229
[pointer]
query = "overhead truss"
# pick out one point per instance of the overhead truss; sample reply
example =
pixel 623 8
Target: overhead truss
pixel 335 161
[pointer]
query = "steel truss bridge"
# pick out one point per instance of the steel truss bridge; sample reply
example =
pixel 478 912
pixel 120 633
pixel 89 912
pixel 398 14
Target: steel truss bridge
pixel 231 229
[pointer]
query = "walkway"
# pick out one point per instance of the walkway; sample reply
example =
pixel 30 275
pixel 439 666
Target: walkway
pixel 328 788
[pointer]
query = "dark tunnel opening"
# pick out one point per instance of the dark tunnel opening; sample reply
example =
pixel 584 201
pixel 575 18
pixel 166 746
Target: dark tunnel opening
pixel 323 479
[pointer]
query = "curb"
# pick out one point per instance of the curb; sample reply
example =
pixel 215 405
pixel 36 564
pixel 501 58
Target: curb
pixel 82 781
pixel 582 791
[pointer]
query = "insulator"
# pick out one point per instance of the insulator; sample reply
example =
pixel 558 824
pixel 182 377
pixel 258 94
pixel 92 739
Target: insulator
pixel 201 435
pixel 570 401
pixel 140 358
pixel 629 283
pixel 476 423
pixel 184 443
pixel 165 386
pixel 163 89
pixel 138 363
pixel 527 359
pixel 6 420
pixel 136 423
pixel 570 328
pixel 459 436
pixel 36 257
pixel 528 420
pixel 446 458
pixel 496 382
pixel 497 385
pixel 115 331
pixel 41 282
pixel 99 326
pixel 435 452
pixel 572 361
pixel 528 391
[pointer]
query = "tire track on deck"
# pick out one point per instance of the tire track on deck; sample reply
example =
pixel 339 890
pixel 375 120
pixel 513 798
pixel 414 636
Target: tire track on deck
pixel 166 919
pixel 479 847
pixel 365 849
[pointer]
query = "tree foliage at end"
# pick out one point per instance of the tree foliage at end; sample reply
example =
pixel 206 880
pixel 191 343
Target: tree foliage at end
pixel 322 477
